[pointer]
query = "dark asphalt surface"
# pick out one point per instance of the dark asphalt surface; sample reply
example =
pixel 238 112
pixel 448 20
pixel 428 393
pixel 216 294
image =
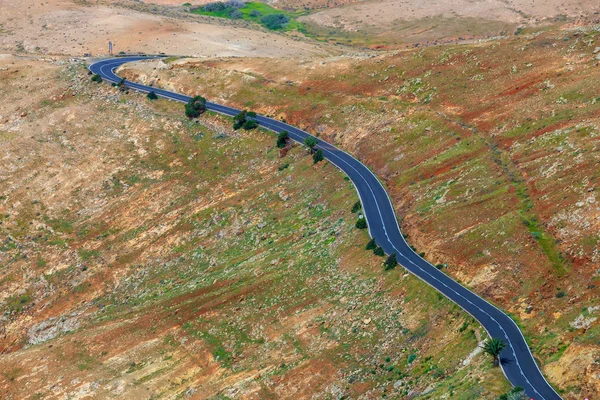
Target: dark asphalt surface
pixel 517 361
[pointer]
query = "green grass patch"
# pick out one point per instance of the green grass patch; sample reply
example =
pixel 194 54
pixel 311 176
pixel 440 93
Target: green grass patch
pixel 256 12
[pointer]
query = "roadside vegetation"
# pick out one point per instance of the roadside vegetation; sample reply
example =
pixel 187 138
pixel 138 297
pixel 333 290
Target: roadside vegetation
pixel 195 107
pixel 245 119
pixel 494 347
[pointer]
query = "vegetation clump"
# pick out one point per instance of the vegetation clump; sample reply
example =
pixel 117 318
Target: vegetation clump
pixel 97 78
pixel 311 143
pixel 391 262
pixel 245 119
pixel 516 393
pixel 195 107
pixel 259 13
pixel 318 156
pixel 152 96
pixel 275 21
pixel 356 207
pixel 361 222
pixel 372 245
pixel 236 14
pixel 494 347
pixel 282 139
pixel 229 8
pixel 379 252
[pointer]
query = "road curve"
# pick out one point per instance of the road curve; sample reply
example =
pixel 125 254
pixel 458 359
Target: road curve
pixel 517 362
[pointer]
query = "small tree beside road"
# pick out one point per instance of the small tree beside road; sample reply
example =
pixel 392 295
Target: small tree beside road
pixel 195 107
pixel 282 139
pixel 317 156
pixel 311 143
pixel 372 245
pixel 361 222
pixel 391 262
pixel 494 347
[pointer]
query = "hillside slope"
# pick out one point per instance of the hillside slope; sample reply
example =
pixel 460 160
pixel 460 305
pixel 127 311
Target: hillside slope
pixel 490 151
pixel 148 256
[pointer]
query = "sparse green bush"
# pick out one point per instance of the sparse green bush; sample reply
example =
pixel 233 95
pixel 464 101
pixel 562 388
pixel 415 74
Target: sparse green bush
pixel 379 252
pixel 219 6
pixel 236 14
pixel 356 207
pixel 239 120
pixel 361 223
pixel 560 294
pixel 195 107
pixel 391 262
pixel 318 156
pixel 283 166
pixel 372 245
pixel 275 21
pixel 97 78
pixel 152 96
pixel 310 142
pixel 282 139
pixel 516 393
pixel 250 124
pixel 255 13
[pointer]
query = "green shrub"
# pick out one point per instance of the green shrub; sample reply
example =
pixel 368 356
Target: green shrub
pixel 255 13
pixel 310 142
pixel 379 252
pixel 245 119
pixel 318 156
pixel 282 139
pixel 250 124
pixel 97 78
pixel 361 223
pixel 236 14
pixel 283 166
pixel 195 107
pixel 412 358
pixel 152 96
pixel 372 245
pixel 391 262
pixel 356 207
pixel 515 393
pixel 239 120
pixel 275 21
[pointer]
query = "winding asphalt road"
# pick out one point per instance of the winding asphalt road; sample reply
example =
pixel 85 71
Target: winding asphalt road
pixel 517 362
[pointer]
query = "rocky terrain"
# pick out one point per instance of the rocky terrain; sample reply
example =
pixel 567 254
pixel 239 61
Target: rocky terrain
pixel 490 151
